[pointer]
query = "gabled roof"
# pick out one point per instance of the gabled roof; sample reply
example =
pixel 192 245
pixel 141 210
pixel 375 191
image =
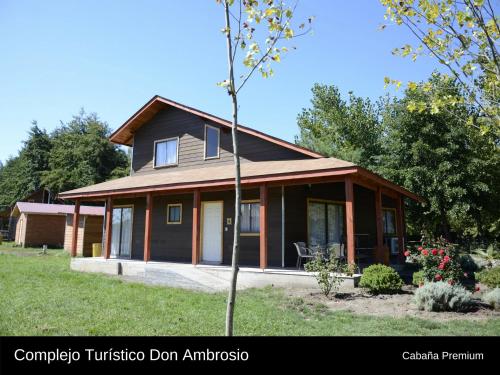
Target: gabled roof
pixel 55 209
pixel 223 176
pixel 125 133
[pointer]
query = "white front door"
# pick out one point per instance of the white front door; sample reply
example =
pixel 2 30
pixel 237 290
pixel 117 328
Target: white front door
pixel 212 232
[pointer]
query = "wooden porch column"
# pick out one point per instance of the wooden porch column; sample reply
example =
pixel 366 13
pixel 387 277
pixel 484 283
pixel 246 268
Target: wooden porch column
pixel 76 222
pixel 349 214
pixel 263 226
pixel 400 227
pixel 147 227
pixel 109 228
pixel 195 252
pixel 380 226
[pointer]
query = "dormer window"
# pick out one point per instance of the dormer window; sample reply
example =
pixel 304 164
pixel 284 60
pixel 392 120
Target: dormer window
pixel 166 152
pixel 212 140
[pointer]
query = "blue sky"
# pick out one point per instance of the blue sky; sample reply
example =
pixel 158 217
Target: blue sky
pixel 110 57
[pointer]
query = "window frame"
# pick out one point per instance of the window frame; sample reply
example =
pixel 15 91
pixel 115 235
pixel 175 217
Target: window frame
pixel 165 140
pixel 205 143
pixel 250 234
pixel 180 213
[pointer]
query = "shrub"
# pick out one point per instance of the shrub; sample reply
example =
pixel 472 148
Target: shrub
pixel 418 278
pixel 326 273
pixel 441 296
pixel 380 279
pixel 492 298
pixel 439 260
pixel 490 277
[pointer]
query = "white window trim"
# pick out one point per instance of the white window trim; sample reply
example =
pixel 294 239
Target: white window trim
pixel 218 143
pixel 250 234
pixel 177 156
pixel 168 213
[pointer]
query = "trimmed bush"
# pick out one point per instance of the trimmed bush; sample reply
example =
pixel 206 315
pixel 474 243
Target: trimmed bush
pixel 489 277
pixel 381 279
pixel 441 296
pixel 418 278
pixel 492 298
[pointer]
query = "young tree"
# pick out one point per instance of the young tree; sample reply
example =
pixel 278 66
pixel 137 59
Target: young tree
pixel 463 37
pixel 261 49
pixel 82 155
pixel 348 130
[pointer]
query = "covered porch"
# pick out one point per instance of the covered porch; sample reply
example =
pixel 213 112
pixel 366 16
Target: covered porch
pixel 192 221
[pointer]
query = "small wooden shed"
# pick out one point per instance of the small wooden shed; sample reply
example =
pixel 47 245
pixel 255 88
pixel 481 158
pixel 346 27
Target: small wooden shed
pixel 52 225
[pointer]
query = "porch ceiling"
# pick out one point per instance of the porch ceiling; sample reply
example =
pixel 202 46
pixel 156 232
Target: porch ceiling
pixel 252 173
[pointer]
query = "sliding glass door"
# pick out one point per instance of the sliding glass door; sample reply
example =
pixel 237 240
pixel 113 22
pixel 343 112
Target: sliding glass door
pixel 121 237
pixel 325 223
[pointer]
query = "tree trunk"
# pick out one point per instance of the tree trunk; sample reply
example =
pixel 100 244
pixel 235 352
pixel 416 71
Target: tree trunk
pixel 237 201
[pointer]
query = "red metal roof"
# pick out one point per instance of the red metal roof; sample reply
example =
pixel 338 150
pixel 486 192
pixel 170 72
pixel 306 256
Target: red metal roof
pixel 56 209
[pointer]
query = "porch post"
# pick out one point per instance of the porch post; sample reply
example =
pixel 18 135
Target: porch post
pixel 76 221
pixel 195 252
pixel 349 213
pixel 109 228
pixel 147 229
pixel 263 227
pixel 400 227
pixel 379 224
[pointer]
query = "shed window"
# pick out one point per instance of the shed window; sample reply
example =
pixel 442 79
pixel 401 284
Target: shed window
pixel 166 152
pixel 211 142
pixel 250 218
pixel 174 213
pixel 389 221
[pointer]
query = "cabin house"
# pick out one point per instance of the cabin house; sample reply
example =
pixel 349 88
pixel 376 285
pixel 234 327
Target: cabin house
pixel 177 205
pixel 41 224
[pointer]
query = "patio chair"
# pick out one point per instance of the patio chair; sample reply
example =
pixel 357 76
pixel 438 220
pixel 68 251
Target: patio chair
pixel 302 252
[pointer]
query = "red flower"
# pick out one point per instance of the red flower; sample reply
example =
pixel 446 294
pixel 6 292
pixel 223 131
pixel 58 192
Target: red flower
pixel 441 266
pixel 407 253
pixel 477 289
pixel 441 252
pixel 438 277
pixel 420 248
pixel 425 252
pixel 446 259
pixel 434 251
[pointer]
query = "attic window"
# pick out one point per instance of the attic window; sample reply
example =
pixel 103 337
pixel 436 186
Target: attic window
pixel 211 142
pixel 166 152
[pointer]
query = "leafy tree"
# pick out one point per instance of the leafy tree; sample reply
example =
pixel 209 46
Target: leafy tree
pixel 261 47
pixel 82 155
pixel 452 165
pixel 13 182
pixel 349 130
pixel 21 175
pixel 463 37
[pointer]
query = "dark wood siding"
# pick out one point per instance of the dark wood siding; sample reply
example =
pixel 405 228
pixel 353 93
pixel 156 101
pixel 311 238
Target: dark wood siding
pixel 191 132
pixel 172 242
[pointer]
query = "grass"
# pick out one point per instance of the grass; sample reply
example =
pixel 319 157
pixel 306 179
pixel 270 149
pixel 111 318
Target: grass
pixel 39 295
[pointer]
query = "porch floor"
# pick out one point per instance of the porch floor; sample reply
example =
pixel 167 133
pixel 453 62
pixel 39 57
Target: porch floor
pixel 202 277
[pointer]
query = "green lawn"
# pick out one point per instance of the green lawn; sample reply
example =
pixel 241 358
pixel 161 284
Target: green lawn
pixel 39 295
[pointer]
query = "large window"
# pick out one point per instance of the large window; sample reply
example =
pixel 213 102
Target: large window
pixel 174 213
pixel 250 218
pixel 325 223
pixel 166 152
pixel 389 221
pixel 211 142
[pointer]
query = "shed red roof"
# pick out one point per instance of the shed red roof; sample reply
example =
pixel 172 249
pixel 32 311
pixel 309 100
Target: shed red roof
pixel 56 209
